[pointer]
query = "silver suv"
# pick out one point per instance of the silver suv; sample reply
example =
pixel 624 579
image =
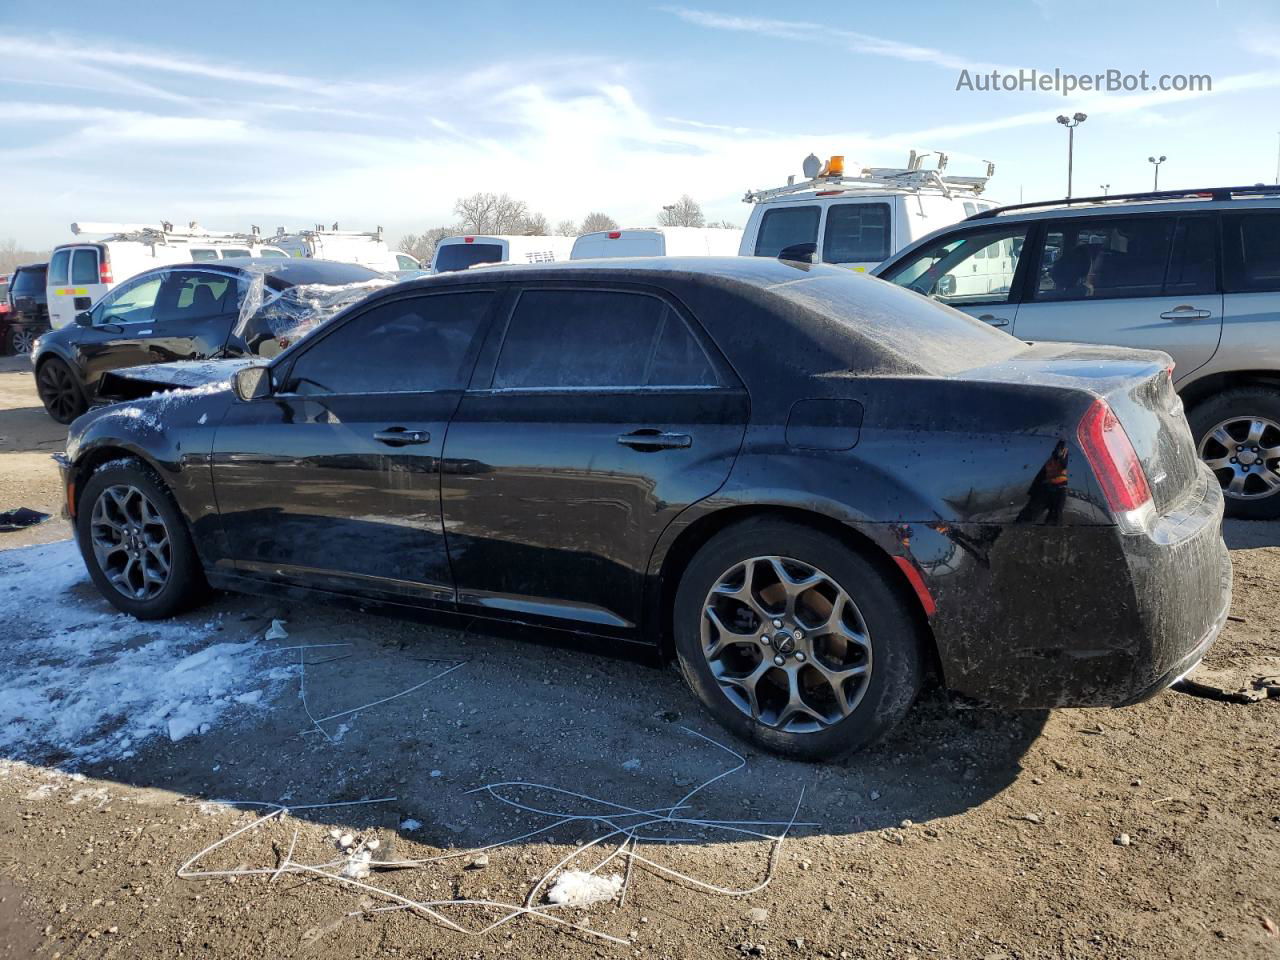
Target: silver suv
pixel 1193 273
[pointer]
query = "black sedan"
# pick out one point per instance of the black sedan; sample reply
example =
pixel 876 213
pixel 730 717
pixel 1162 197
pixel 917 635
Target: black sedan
pixel 806 486
pixel 227 308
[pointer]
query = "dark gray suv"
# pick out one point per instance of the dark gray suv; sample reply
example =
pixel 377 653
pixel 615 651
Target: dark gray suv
pixel 1195 274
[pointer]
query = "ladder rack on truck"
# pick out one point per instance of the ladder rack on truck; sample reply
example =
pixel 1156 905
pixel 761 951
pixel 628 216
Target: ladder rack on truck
pixel 909 179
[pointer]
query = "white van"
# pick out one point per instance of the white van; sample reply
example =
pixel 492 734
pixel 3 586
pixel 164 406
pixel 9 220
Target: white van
pixel 658 242
pixel 344 246
pixel 858 221
pixel 459 253
pixel 81 273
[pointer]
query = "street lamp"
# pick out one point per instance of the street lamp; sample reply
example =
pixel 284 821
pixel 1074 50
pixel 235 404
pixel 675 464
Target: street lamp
pixel 1156 184
pixel 1104 187
pixel 1071 123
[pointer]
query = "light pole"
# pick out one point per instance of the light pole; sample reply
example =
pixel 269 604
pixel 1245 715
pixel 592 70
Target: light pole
pixel 1104 187
pixel 1071 123
pixel 1156 183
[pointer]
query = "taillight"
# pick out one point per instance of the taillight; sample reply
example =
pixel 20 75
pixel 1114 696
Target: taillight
pixel 104 267
pixel 1116 465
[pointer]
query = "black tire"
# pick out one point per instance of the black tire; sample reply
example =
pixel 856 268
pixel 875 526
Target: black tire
pixel 20 341
pixel 60 390
pixel 1240 404
pixel 185 586
pixel 895 659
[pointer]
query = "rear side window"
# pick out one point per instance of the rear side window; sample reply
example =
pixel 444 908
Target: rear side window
pixel 786 226
pixel 200 256
pixel 58 268
pixel 598 338
pixel 1193 265
pixel 1105 259
pixel 459 256
pixel 406 346
pixel 84 267
pixel 856 233
pixel 227 252
pixel 1251 251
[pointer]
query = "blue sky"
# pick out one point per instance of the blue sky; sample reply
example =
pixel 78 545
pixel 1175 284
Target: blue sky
pixel 383 113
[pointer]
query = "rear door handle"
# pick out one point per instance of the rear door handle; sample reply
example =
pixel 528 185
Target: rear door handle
pixel 655 440
pixel 399 436
pixel 992 320
pixel 1186 313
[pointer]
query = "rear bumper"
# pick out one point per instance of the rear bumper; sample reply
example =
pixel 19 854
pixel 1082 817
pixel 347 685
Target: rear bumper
pixel 1081 616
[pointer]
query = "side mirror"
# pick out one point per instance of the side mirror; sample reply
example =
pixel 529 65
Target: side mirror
pixel 252 383
pixel 84 318
pixel 799 253
pixel 947 285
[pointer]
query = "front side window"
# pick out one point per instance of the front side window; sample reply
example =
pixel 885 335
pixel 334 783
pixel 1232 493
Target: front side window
pixel 1095 260
pixel 406 262
pixel 785 227
pixel 856 233
pixel 196 295
pixel 598 338
pixel 58 268
pixel 130 303
pixel 973 267
pixel 84 267
pixel 1251 251
pixel 201 256
pixel 416 345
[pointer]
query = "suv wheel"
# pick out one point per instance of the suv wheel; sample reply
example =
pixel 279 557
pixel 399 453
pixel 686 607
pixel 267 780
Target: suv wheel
pixel 60 391
pixel 793 640
pixel 21 341
pixel 136 544
pixel 1237 434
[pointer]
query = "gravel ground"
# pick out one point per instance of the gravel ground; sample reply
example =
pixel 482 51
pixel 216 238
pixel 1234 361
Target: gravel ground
pixel 969 834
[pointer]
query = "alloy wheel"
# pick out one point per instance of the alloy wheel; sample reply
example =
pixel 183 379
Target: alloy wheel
pixel 58 389
pixel 130 542
pixel 21 342
pixel 1244 453
pixel 786 643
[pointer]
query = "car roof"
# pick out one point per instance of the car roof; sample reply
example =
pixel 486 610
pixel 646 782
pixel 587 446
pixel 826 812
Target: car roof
pixel 1164 201
pixel 759 272
pixel 286 271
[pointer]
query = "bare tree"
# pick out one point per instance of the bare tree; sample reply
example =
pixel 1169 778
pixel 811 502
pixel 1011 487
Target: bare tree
pixel 685 212
pixel 13 255
pixel 423 245
pixel 491 213
pixel 723 225
pixel 535 225
pixel 567 228
pixel 595 222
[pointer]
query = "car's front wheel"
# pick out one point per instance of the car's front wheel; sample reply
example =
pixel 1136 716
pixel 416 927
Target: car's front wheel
pixel 1237 433
pixel 60 390
pixel 794 640
pixel 135 543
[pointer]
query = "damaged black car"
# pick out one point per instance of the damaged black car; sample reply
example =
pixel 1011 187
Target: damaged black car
pixel 804 486
pixel 229 308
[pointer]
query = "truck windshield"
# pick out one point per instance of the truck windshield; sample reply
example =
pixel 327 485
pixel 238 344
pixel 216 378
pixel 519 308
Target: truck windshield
pixel 459 256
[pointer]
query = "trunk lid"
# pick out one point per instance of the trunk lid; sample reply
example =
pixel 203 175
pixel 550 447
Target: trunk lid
pixel 1137 385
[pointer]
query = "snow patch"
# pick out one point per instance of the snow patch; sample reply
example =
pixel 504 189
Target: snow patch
pixel 577 888
pixel 81 680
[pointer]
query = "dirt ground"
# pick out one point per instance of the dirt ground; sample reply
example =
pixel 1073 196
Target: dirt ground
pixel 969 834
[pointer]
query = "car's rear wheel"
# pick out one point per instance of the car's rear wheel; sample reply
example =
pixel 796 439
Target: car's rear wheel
pixel 794 640
pixel 60 390
pixel 1237 434
pixel 21 340
pixel 135 543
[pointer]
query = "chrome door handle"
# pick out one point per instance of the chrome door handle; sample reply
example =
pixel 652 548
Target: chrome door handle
pixel 992 320
pixel 1186 313
pixel 399 436
pixel 655 440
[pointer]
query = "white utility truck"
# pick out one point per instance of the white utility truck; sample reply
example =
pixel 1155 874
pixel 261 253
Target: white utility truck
pixel 858 220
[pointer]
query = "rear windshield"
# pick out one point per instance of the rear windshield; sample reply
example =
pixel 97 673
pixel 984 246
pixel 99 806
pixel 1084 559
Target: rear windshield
pixel 459 256
pixel 644 245
pixel 925 334
pixel 28 281
pixel 786 226
pixel 271 253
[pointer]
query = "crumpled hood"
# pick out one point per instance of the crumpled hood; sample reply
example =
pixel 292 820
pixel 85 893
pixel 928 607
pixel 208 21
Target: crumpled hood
pixel 130 383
